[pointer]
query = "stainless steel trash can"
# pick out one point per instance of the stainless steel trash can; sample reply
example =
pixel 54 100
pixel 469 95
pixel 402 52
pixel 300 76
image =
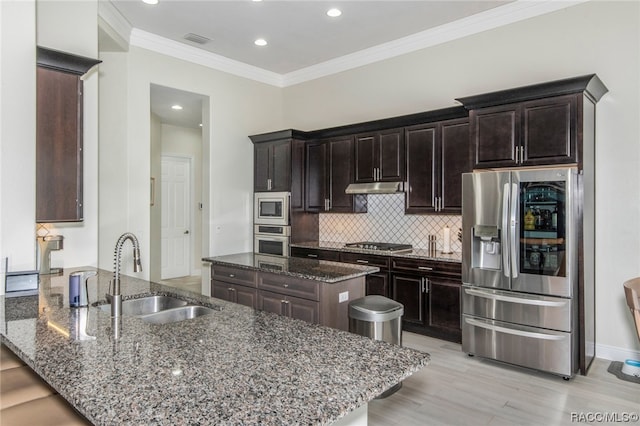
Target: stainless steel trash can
pixel 379 318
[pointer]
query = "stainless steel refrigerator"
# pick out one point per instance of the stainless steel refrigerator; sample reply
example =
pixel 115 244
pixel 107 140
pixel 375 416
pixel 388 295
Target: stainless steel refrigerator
pixel 520 267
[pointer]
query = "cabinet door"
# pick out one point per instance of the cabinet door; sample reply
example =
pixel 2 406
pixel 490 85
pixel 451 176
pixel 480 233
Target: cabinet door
pixel 377 283
pixel 271 302
pixel 365 158
pixel 281 171
pixel 222 290
pixel 410 291
pixel 315 180
pixel 339 175
pixel 444 306
pixel 58 147
pixel 454 158
pixel 298 195
pixel 261 160
pixel 391 154
pixel 549 131
pixel 302 309
pixel 495 134
pixel 421 168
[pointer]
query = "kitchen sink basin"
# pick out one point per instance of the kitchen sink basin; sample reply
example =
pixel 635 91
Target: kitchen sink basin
pixel 147 305
pixel 176 314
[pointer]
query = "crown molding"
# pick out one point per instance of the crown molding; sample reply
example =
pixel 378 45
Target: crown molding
pixel 494 18
pixel 118 24
pixel 488 20
pixel 198 56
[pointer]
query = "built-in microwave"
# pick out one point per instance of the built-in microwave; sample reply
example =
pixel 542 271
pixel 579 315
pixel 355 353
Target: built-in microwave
pixel 271 208
pixel 272 240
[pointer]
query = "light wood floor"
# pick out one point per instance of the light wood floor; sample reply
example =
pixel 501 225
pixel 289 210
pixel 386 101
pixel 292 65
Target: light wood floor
pixel 191 283
pixel 455 389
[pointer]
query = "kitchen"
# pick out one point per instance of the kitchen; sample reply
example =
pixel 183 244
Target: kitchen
pixel 305 106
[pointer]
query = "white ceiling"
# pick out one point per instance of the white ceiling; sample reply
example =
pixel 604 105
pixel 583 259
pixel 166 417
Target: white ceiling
pixel 303 42
pixel 299 33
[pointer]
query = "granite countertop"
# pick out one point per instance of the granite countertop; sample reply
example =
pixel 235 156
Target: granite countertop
pixel 416 253
pixel 234 366
pixel 310 269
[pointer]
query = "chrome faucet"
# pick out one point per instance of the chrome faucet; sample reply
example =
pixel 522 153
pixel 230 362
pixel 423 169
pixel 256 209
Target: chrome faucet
pixel 116 297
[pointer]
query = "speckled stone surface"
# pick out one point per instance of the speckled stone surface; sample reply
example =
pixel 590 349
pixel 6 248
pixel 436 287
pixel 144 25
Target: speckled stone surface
pixel 234 366
pixel 310 269
pixel 415 253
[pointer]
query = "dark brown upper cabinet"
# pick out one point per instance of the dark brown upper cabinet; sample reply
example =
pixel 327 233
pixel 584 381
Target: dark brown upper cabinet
pixel 542 124
pixel 272 162
pixel 330 169
pixel 59 145
pixel 437 155
pixel 379 156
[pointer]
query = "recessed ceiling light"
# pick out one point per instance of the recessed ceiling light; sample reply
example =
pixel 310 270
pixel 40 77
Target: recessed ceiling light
pixel 176 107
pixel 260 42
pixel 257 0
pixel 150 1
pixel 334 13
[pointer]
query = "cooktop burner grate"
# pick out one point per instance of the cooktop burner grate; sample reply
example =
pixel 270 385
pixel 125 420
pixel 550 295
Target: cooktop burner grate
pixel 387 247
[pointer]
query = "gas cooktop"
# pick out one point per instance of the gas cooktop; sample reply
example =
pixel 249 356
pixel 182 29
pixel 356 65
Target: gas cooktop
pixel 385 247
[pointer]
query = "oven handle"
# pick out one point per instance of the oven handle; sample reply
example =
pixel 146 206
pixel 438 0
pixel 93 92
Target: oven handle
pixel 513 331
pixel 512 299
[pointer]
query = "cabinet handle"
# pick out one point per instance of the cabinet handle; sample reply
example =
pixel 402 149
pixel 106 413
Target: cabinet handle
pixel 517 154
pixel 285 285
pixel 269 184
pixel 425 268
pixel 232 275
pixel 311 255
pixel 521 154
pixel 362 261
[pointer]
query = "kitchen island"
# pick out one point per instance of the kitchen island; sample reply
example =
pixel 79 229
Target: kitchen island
pixel 233 366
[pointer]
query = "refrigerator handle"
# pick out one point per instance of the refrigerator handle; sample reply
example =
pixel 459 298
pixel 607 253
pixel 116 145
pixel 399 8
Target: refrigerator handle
pixel 513 232
pixel 505 230
pixel 522 333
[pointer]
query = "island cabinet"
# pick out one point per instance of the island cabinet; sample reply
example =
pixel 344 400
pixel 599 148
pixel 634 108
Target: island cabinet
pixel 542 124
pixel 59 130
pixel 379 156
pixel 437 155
pixel 430 293
pixel 234 285
pixel 377 282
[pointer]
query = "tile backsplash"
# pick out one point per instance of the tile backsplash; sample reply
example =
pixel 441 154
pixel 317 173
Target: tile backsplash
pixel 386 222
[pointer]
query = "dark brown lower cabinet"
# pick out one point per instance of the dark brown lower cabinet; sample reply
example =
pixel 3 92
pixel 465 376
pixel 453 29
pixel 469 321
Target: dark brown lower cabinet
pixel 289 306
pixel 241 294
pixel 378 284
pixel 410 291
pixel 444 308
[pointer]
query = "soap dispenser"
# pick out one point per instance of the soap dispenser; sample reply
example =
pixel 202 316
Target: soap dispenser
pixel 78 294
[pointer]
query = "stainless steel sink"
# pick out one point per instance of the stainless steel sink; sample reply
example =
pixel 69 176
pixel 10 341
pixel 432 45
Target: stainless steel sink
pixel 147 305
pixel 176 314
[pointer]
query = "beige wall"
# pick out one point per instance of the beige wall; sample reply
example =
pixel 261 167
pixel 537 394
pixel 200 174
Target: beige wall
pixel 238 107
pixel 17 136
pixel 595 37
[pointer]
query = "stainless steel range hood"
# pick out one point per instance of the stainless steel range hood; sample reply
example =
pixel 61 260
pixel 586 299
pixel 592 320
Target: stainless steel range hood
pixel 374 188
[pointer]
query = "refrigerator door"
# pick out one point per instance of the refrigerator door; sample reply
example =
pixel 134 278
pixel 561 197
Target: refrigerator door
pixel 543 230
pixel 485 229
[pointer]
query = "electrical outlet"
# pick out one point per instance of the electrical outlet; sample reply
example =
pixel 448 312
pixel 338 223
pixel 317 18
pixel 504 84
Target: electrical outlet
pixel 343 297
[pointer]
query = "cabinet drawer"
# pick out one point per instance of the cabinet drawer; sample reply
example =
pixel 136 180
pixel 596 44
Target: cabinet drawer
pixel 233 275
pixel 290 286
pixel 426 267
pixel 313 253
pixel 381 262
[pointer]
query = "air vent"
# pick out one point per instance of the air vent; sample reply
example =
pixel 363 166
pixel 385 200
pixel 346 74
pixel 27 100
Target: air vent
pixel 197 38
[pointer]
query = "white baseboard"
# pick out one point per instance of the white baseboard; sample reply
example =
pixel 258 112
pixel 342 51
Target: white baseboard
pixel 614 353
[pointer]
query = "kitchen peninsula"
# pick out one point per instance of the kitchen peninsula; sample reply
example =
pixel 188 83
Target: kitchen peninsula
pixel 233 366
pixel 312 290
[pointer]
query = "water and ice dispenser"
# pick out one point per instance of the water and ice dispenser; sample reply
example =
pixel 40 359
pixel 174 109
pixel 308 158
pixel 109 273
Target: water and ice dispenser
pixel 486 250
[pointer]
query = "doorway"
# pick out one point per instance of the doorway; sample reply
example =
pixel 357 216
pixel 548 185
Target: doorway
pixel 180 185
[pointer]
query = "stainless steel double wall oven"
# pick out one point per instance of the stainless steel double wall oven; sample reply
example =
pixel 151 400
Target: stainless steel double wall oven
pixel 272 230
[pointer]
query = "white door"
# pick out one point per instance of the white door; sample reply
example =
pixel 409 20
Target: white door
pixel 176 214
